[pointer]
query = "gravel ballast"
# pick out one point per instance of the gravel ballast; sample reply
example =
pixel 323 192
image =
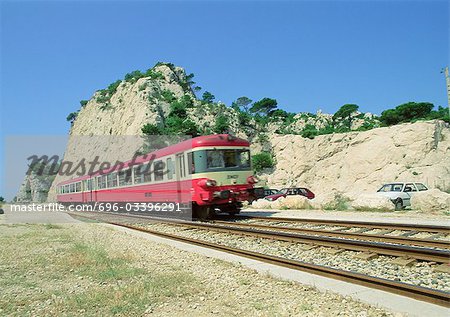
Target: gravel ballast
pixel 420 273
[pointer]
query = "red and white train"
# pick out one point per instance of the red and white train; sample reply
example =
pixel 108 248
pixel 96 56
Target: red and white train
pixel 207 172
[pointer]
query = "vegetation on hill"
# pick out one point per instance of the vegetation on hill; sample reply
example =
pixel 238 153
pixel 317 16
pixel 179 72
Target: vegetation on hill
pixel 254 118
pixel 413 111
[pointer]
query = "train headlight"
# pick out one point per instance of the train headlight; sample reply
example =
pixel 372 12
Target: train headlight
pixel 207 183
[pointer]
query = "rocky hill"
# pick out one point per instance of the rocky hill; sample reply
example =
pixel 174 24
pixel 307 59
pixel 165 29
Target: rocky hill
pixel 363 161
pixel 304 147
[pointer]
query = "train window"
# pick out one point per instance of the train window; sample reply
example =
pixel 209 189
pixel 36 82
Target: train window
pixel 243 157
pixel 101 182
pixel 214 159
pixel 170 168
pixel 147 172
pixel 191 166
pixel 112 179
pixel 159 170
pixel 139 174
pixel 78 187
pixel 125 177
pixel 72 188
pixel 89 184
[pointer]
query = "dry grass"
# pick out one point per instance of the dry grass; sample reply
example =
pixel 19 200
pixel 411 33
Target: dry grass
pixel 47 270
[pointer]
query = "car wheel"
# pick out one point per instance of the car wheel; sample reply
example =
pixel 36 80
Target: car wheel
pixel 398 204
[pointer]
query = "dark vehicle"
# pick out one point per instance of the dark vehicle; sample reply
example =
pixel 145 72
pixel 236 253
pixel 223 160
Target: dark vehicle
pixel 268 192
pixel 261 192
pixel 291 191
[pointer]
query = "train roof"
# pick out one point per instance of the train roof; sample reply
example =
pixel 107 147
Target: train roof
pixel 200 141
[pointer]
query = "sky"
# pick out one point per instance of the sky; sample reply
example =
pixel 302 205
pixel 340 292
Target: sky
pixel 308 55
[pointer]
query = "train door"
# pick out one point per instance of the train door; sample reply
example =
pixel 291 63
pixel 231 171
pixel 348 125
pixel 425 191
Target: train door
pixel 84 192
pixel 180 172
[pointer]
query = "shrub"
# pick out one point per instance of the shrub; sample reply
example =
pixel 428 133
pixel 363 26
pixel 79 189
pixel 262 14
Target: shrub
pixel 83 102
pixel 309 131
pixel 221 125
pixel 168 96
pixel 133 76
pixel 151 129
pixel 262 160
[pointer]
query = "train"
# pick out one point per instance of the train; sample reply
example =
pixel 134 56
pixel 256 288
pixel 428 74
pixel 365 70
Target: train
pixel 210 174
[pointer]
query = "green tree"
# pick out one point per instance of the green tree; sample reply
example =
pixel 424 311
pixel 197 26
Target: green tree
pixel 72 117
pixel 208 97
pixel 221 125
pixel 241 103
pixel 407 112
pixel 83 102
pixel 345 112
pixel 264 107
pixel 2 199
pixel 262 160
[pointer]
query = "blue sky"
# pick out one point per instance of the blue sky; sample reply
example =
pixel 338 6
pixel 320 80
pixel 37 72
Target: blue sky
pixel 307 55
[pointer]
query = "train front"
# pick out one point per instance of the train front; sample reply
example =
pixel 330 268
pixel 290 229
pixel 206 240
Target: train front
pixel 222 177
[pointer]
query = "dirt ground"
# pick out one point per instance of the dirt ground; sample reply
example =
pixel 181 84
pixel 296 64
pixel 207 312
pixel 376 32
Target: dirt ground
pixel 88 269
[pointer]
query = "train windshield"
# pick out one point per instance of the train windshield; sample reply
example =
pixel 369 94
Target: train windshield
pixel 217 160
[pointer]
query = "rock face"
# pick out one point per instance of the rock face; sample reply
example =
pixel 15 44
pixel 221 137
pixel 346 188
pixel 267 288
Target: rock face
pixel 112 130
pixel 431 200
pixel 363 161
pixel 34 188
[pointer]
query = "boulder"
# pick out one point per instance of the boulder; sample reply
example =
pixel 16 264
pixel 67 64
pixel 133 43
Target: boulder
pixel 292 202
pixel 331 200
pixel 261 204
pixel 371 202
pixel 431 200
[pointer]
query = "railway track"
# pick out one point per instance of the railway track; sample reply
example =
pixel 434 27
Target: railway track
pixel 431 243
pixel 348 223
pixel 426 294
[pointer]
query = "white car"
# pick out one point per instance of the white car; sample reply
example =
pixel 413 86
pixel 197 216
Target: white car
pixel 400 193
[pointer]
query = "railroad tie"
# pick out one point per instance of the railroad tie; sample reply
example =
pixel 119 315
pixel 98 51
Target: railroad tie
pixel 435 236
pixel 404 261
pixel 333 251
pixel 443 268
pixel 362 230
pixel 307 247
pixel 385 231
pixel 409 233
pixel 342 229
pixel 366 255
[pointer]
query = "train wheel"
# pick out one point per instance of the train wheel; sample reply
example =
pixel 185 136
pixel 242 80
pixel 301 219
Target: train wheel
pixel 204 212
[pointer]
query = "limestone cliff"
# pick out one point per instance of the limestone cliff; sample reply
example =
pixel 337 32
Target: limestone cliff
pixel 363 161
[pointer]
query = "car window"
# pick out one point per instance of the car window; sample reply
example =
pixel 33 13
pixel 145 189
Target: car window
pixel 410 188
pixel 421 187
